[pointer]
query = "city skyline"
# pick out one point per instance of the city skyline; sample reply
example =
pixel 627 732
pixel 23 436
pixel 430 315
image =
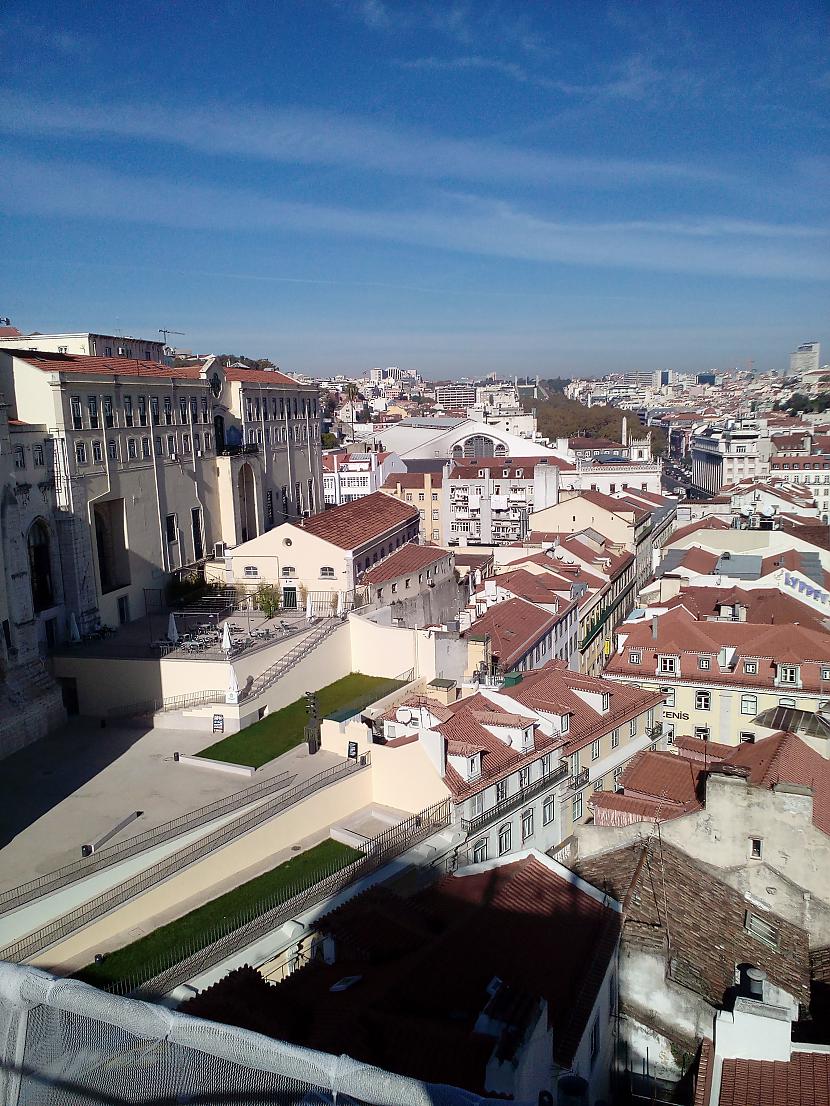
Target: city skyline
pixel 460 189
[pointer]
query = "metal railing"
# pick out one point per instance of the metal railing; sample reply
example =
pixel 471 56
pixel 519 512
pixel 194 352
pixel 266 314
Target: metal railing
pixel 238 931
pixel 140 842
pixel 511 802
pixel 270 676
pixel 76 919
pixel 169 702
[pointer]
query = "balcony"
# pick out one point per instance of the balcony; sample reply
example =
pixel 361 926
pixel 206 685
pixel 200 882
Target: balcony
pixel 235 450
pixel 512 802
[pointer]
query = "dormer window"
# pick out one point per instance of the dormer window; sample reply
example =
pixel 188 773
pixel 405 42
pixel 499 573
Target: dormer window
pixel 606 702
pixel 788 673
pixel 825 673
pixel 473 766
pixel 565 723
pixel 634 658
pixel 703 664
pixel 668 665
pixel 751 668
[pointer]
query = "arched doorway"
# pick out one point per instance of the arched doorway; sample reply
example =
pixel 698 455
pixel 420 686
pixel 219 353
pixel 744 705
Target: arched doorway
pixel 247 502
pixel 40 566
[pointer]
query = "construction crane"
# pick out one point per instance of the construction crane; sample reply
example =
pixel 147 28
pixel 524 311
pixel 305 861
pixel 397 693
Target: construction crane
pixel 166 331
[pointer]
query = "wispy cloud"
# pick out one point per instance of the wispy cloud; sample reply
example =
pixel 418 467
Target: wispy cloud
pixel 462 22
pixel 477 63
pixel 301 137
pixel 467 225
pixel 53 40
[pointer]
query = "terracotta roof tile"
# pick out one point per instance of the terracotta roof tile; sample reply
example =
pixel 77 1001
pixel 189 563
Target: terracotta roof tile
pixel 106 366
pixel 409 558
pixel 514 628
pixel 804 1081
pixel 354 524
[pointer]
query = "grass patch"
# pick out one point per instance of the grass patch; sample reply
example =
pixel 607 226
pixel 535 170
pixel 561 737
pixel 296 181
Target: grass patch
pixel 140 957
pixel 282 730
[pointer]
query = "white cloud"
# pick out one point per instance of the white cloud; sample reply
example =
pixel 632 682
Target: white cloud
pixel 463 224
pixel 296 136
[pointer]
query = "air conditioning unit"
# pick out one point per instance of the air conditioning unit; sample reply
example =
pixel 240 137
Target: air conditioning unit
pixel 218 550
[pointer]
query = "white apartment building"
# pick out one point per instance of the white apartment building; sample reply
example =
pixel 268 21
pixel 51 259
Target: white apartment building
pixel 805 359
pixel 350 476
pixel 498 405
pixel 88 344
pixel 459 396
pixel 726 453
pixel 154 467
pixel 489 500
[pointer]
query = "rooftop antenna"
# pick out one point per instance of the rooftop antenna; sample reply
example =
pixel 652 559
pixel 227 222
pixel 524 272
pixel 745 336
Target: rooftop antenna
pixel 166 330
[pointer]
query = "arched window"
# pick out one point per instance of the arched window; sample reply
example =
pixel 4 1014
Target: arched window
pixel 40 566
pixel 327 572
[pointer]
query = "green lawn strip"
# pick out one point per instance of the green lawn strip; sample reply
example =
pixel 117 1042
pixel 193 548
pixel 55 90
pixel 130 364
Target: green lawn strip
pixel 282 730
pixel 200 924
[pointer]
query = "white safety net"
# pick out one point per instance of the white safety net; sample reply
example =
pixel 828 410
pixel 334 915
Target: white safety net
pixel 63 1043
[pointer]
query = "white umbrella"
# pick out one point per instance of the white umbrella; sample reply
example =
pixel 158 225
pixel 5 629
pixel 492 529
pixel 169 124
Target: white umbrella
pixel 172 629
pixel 74 632
pixel 232 694
pixel 227 644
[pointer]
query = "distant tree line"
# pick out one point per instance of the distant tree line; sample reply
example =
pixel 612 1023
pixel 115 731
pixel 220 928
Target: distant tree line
pixel 799 404
pixel 560 417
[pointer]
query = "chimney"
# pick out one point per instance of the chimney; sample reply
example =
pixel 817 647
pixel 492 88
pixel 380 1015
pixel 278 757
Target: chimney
pixel 755 978
pixel 654 627
pixel 625 430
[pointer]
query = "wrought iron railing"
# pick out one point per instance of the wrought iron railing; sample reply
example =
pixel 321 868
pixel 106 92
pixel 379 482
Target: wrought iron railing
pixel 140 842
pixel 76 919
pixel 270 676
pixel 236 932
pixel 512 802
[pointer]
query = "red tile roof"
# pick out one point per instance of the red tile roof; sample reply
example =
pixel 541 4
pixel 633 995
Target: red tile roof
pixel 416 480
pixel 804 1081
pixel 264 376
pixel 409 558
pixel 107 366
pixel 514 628
pixel 466 468
pixel 670 779
pixel 680 635
pixel 594 443
pixel 711 522
pixel 451 941
pixel 354 524
pixel 763 606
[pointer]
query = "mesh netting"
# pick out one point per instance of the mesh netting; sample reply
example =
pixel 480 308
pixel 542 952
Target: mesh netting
pixel 63 1043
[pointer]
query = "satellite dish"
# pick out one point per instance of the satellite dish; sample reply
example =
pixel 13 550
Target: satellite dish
pixel 767 512
pixel 403 714
pixel 559 554
pixel 745 511
pixel 570 561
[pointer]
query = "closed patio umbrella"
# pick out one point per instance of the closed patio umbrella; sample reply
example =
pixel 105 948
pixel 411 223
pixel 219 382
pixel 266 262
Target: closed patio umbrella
pixel 172 629
pixel 232 694
pixel 227 644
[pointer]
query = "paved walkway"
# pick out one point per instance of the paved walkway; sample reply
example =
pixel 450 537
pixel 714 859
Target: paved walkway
pixel 78 783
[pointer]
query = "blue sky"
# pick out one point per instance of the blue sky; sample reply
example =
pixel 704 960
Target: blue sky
pixel 460 187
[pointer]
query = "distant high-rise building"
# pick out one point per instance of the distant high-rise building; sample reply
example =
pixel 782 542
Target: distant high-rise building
pixel 455 395
pixel 805 359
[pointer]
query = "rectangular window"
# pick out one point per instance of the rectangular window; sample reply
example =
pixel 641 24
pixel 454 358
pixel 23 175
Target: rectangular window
pixel 154 410
pixel 37 456
pixel 131 449
pixel 168 410
pixel 183 409
pixel 185 443
pixel 171 444
pixel 204 410
pixel 761 929
pixel 128 410
pixel 92 409
pixel 751 668
pixel 634 658
pixel 158 445
pixel 171 529
pixel 112 449
pixel 756 848
pixel 75 406
pixel 480 851
pixel 595 749
pixel 501 790
pixel 80 452
pixel 505 834
pixel 97 452
pixel 749 704
pixel 527 824
pixel 632 728
pixel 524 777
pixel 702 733
pixel 142 410
pixel 109 417
pixel 251 571
pixel 576 811
pixel 194 409
pixel 565 723
pixel 703 664
pixel 544 765
pixel 615 738
pixel 19 457
pixel 788 673
pixel 669 693
pixel 548 809
pixel 145 448
pixel 668 664
pixel 703 700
